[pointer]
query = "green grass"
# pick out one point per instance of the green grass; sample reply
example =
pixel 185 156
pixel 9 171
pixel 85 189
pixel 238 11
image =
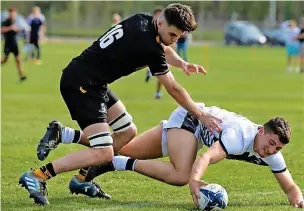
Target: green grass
pixel 250 81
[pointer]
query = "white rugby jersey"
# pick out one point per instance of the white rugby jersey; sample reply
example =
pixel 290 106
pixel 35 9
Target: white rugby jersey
pixel 236 138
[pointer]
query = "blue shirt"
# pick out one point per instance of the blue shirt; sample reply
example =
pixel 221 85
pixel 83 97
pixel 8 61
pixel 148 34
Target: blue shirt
pixel 35 22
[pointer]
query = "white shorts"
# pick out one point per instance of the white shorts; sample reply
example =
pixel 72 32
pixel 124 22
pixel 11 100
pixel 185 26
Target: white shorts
pixel 180 118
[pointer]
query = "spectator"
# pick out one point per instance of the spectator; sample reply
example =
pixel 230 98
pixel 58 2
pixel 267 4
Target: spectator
pixel 293 47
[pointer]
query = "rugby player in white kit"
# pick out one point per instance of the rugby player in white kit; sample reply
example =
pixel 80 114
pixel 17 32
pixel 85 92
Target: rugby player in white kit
pixel 182 135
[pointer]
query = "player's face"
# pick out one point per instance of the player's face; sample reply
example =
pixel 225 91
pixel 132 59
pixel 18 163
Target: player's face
pixel 267 144
pixel 12 15
pixel 36 11
pixel 168 34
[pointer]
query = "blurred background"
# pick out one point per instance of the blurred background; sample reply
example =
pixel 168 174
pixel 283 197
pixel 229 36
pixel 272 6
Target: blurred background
pixel 85 18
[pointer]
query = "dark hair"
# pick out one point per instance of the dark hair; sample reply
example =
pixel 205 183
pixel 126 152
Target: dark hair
pixel 180 16
pixel 280 127
pixel 157 9
pixel 12 9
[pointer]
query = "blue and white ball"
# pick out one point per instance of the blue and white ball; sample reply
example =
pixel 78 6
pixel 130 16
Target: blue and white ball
pixel 212 197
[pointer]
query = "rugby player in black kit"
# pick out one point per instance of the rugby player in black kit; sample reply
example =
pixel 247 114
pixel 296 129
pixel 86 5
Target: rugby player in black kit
pixel 9 30
pixel 131 45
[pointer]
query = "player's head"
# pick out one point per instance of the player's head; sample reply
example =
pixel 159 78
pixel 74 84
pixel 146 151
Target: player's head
pixel 157 12
pixel 116 18
pixel 12 13
pixel 174 21
pixel 36 10
pixel 272 137
pixel 292 23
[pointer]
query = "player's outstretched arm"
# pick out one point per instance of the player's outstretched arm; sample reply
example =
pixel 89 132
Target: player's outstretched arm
pixel 213 155
pixel 5 29
pixel 175 60
pixel 182 97
pixel 289 187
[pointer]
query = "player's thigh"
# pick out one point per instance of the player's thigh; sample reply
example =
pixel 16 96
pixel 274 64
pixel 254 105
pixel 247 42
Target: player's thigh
pixel 15 51
pixel 115 106
pixel 7 49
pixel 182 149
pixel 118 117
pixel 146 145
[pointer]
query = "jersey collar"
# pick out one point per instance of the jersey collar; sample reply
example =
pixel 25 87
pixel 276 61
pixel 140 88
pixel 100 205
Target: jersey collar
pixel 154 22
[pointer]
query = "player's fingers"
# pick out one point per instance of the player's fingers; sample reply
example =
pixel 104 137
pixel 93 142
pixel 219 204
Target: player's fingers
pixel 202 70
pixel 217 127
pixel 203 183
pixel 195 201
pixel 197 194
pixel 187 72
pixel 218 119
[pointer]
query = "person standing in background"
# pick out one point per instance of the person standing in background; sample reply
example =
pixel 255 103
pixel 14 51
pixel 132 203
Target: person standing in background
pixel 301 40
pixel 293 47
pixel 9 31
pixel 156 13
pixel 116 19
pixel 37 22
pixel 182 46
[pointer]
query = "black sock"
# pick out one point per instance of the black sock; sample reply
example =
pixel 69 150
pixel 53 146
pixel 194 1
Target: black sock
pixel 130 164
pixel 76 136
pixel 48 170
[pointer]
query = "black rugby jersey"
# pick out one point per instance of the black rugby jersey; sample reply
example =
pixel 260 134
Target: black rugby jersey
pixel 10 36
pixel 125 48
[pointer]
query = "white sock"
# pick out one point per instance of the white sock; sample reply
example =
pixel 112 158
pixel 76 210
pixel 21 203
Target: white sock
pixel 297 69
pixel 120 162
pixel 68 135
pixel 289 68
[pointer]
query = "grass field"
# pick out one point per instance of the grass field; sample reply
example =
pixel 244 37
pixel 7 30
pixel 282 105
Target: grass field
pixel 250 81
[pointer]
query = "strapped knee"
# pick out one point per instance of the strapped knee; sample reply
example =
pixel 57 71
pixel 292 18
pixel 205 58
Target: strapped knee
pixel 100 140
pixel 121 123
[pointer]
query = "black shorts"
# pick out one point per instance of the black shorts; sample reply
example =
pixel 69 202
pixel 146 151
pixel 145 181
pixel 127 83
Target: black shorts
pixel 11 48
pixel 87 102
pixel 34 40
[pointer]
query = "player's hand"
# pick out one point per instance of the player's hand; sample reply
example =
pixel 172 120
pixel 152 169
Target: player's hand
pixel 211 122
pixel 194 186
pixel 14 27
pixel 299 204
pixel 189 68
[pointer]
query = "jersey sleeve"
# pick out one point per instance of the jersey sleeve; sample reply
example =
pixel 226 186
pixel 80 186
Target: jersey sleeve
pixel 29 19
pixel 42 18
pixel 158 64
pixel 4 23
pixel 231 140
pixel 276 162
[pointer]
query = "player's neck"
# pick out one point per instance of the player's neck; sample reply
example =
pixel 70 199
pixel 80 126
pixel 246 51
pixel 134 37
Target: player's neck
pixel 255 143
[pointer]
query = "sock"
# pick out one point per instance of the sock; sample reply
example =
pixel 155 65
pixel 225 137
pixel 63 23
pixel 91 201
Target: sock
pixel 69 135
pixel 95 171
pixel 45 172
pixel 158 94
pixel 123 163
pixel 297 69
pixel 82 174
pixel 289 68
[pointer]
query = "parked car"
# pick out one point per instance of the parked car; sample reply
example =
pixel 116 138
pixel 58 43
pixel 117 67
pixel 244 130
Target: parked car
pixel 243 33
pixel 276 36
